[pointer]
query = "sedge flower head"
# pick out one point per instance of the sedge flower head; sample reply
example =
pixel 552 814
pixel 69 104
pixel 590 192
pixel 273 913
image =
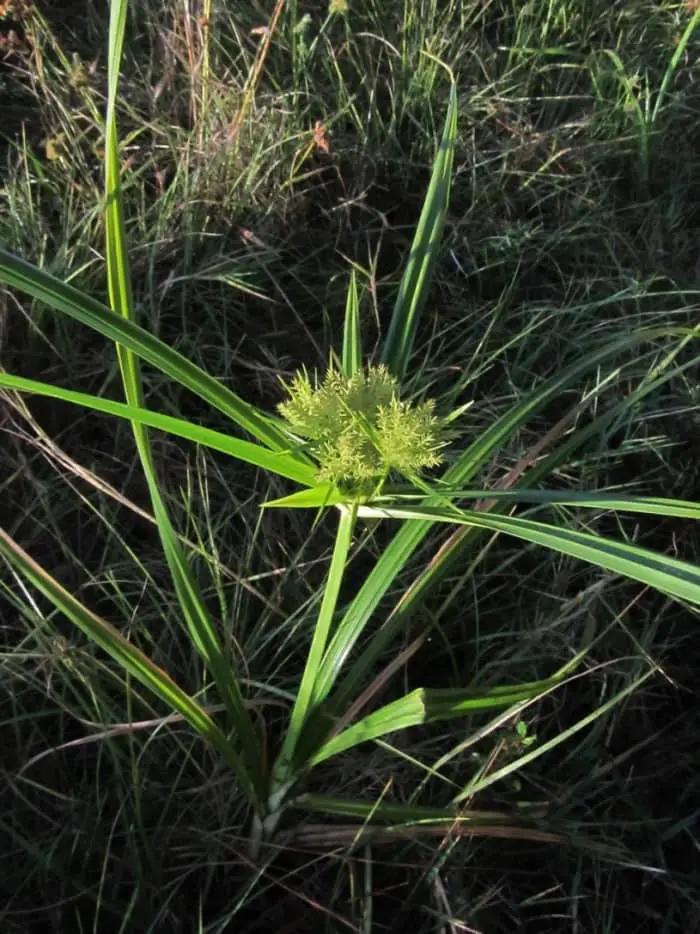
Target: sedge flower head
pixel 359 430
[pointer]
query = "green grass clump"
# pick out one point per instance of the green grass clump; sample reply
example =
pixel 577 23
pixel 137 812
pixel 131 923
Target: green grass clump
pixel 414 645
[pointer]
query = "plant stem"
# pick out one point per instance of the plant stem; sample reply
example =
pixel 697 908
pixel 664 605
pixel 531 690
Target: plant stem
pixel 281 773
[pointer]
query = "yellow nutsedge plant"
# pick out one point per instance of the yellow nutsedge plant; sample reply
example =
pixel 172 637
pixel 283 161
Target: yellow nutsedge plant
pixel 339 439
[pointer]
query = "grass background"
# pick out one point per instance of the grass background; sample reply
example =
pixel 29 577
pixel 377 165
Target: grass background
pixel 250 193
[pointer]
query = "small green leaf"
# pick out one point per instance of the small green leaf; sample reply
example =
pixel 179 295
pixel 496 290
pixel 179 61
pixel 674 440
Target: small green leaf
pixel 352 346
pixel 485 780
pixel 317 497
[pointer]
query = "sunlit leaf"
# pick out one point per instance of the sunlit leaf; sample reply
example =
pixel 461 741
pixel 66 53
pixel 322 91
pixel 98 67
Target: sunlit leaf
pixel 425 705
pixel 276 462
pixel 415 282
pixel 676 578
pixel 352 347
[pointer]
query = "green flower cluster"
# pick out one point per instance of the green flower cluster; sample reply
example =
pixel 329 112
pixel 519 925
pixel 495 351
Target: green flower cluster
pixel 359 430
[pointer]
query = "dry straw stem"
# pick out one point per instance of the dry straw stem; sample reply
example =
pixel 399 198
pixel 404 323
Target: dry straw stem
pixel 252 83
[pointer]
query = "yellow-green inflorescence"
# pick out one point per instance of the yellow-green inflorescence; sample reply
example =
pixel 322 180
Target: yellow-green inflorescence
pixel 358 429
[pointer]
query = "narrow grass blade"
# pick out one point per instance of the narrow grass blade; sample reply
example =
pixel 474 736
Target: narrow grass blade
pixel 479 452
pixel 117 258
pixel 227 271
pixel 131 659
pixel 199 623
pixel 349 837
pixel 351 359
pixel 415 282
pixel 306 695
pixel 674 62
pixel 277 462
pixel 675 578
pixel 88 311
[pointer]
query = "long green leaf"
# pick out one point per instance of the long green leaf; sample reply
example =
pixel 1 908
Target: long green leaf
pixel 88 311
pixel 391 812
pixel 415 282
pixel 678 54
pixel 199 623
pixel 617 502
pixel 424 705
pixel 131 659
pixel 277 462
pixel 676 578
